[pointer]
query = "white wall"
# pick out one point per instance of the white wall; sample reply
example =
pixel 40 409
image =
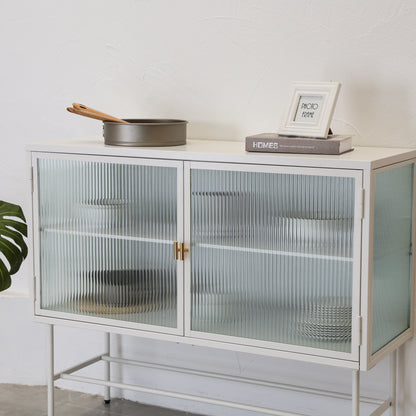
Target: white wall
pixel 224 65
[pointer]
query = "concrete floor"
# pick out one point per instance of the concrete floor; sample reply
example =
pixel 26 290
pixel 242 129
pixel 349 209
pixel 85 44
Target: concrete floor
pixel 18 400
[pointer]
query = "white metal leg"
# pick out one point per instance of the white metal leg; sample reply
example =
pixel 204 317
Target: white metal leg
pixel 51 370
pixel 393 381
pixel 355 393
pixel 107 368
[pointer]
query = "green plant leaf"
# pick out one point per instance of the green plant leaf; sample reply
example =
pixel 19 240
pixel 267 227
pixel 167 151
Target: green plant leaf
pixel 11 224
pixel 12 245
pixel 12 253
pixel 5 281
pixel 17 238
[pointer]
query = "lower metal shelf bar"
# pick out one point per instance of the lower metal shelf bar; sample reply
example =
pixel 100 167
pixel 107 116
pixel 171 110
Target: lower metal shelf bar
pixel 67 375
pixel 380 410
pixel 78 367
pixel 179 395
pixel 254 381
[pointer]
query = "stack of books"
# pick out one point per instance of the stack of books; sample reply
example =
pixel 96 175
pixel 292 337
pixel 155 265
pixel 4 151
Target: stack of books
pixel 274 143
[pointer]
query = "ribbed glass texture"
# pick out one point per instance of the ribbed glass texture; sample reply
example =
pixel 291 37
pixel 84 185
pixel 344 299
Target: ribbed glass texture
pixel 393 196
pixel 272 257
pixel 106 238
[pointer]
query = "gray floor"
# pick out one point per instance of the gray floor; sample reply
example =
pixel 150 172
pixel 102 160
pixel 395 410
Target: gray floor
pixel 17 400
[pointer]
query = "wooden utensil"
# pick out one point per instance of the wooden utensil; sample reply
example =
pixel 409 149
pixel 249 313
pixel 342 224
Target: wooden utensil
pixel 85 111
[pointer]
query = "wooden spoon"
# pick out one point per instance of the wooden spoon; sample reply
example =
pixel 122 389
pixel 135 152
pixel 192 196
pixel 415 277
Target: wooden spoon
pixel 85 111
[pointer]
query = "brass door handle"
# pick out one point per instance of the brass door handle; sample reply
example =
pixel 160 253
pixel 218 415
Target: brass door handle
pixel 180 250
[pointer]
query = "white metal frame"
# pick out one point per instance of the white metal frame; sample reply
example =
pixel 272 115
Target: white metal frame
pixel 356 321
pixel 328 92
pixel 36 237
pixel 367 359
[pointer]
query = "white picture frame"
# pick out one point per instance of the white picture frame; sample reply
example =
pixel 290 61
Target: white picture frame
pixel 310 109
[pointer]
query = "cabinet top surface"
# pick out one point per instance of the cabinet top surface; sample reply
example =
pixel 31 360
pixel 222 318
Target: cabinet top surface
pixel 231 152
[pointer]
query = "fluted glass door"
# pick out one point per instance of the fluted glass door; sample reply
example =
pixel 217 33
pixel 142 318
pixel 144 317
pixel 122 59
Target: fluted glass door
pixel 106 234
pixel 272 255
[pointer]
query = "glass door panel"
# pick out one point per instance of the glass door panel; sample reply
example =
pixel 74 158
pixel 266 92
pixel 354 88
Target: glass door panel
pixel 272 256
pixel 106 234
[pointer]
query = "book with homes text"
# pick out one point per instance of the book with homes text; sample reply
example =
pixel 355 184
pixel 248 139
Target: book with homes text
pixel 274 143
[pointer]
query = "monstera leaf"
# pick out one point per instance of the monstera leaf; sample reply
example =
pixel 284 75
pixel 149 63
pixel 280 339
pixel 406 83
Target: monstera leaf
pixel 12 245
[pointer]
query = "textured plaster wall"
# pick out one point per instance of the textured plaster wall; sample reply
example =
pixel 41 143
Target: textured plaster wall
pixel 224 65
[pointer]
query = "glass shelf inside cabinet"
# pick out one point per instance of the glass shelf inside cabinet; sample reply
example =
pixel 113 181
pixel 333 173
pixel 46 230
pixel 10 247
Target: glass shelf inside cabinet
pixel 156 233
pixel 108 200
pixel 258 212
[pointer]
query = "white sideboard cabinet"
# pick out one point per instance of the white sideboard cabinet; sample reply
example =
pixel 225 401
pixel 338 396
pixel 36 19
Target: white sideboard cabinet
pixel 305 257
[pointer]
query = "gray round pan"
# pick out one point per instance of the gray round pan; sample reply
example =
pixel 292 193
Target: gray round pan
pixel 145 132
